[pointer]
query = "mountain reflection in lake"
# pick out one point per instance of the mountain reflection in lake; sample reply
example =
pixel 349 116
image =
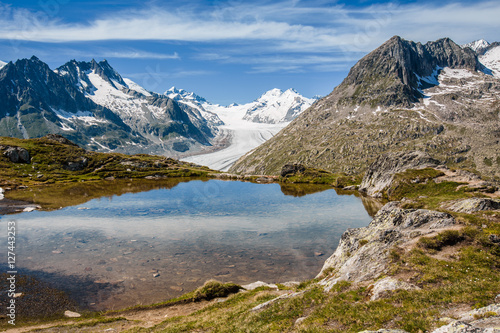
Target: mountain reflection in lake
pixel 144 247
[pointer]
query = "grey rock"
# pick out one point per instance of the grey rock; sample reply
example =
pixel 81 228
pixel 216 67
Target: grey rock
pixel 380 288
pixel 494 239
pixel 291 169
pixel 274 300
pixel 291 284
pixel 472 205
pixel 380 173
pixel 17 154
pixel 493 308
pixel 258 284
pixel 78 164
pixel 463 327
pixel 264 180
pixel 71 314
pixel 299 321
pixel 358 261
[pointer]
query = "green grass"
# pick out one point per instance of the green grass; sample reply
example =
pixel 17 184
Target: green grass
pixel 319 176
pixel 420 187
pixel 50 159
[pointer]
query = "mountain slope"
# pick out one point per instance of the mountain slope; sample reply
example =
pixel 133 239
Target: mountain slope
pixel 155 117
pixel 402 96
pixel 91 104
pixel 35 101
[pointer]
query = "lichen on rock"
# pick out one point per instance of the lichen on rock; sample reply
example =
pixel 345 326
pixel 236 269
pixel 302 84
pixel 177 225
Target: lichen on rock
pixel 353 260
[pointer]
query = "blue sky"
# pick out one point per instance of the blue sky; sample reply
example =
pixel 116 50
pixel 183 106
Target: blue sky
pixel 232 51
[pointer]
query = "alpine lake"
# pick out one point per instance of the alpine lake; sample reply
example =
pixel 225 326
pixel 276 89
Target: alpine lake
pixel 115 244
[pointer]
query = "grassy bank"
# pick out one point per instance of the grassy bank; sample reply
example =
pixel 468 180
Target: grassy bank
pixel 57 162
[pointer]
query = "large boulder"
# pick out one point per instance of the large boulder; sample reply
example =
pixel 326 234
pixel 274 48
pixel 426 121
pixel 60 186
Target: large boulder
pixel 363 253
pixel 17 154
pixel 380 173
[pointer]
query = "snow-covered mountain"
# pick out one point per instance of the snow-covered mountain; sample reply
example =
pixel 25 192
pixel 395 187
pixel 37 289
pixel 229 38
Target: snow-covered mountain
pixel 276 106
pixel 491 59
pixel 477 45
pixel 193 101
pixel 155 117
pixel 245 126
pixel 273 107
pixel 91 104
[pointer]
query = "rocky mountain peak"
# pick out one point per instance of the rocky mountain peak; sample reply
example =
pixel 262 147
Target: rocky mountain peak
pixel 181 94
pixel 272 93
pixel 108 73
pixel 477 45
pixel 77 72
pixel 390 74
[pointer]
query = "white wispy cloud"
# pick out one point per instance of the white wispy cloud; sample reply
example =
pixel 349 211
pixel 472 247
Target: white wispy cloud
pixel 138 55
pixel 158 74
pixel 286 28
pixel 294 24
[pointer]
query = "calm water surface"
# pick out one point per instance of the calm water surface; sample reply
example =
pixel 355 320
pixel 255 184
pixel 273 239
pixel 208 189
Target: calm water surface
pixel 139 248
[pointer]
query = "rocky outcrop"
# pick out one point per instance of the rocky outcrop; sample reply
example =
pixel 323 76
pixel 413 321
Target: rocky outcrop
pixel 380 173
pixel 71 314
pixel 354 259
pixel 467 323
pixel 78 164
pixel 17 154
pixel 472 205
pixel 291 169
pixel 92 105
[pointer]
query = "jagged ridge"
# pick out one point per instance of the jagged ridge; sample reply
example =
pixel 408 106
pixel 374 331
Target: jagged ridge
pixel 91 104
